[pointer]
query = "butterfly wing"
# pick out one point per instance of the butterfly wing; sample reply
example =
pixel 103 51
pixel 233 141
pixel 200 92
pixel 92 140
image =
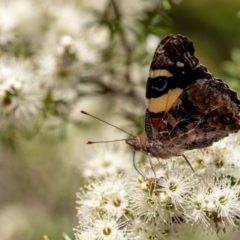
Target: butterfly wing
pixel 187 107
pixel 170 73
pixel 205 112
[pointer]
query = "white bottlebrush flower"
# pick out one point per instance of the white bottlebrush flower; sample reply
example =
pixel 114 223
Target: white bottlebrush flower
pixel 119 204
pixel 21 93
pixel 103 208
pixel 106 228
pixel 151 42
pixel 141 230
pixel 199 202
pixel 78 31
pixel 162 199
pixel 62 64
pixel 67 53
pixel 176 186
pixel 169 200
pixel 108 196
pixel 67 48
pixel 59 67
pixel 105 160
pixel 83 235
pixel 58 60
pixel 222 158
pixel 62 14
pixel 20 20
pixel 201 160
pixel 216 205
pixel 226 199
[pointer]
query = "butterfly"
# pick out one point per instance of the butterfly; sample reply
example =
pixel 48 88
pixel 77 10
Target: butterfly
pixel 186 106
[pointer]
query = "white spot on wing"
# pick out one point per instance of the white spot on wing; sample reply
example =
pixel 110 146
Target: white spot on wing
pixel 180 64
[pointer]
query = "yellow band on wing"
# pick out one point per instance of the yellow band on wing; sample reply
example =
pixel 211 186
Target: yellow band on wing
pixel 164 102
pixel 159 73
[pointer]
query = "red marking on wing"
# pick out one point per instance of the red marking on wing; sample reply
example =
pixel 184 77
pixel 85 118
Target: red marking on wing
pixel 156 121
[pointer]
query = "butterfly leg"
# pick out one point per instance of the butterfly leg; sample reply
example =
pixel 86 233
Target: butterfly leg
pixel 189 164
pixel 135 166
pixel 194 170
pixel 155 175
pixel 151 164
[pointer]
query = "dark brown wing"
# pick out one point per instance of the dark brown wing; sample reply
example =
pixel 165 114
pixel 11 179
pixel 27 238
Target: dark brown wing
pixel 174 67
pixel 187 107
pixel 206 111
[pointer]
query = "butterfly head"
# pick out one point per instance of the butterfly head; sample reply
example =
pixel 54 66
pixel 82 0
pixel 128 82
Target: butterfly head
pixel 142 144
pixel 139 143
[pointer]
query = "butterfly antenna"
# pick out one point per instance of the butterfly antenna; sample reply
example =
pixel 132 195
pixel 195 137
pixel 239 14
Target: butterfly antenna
pixel 117 140
pixel 101 120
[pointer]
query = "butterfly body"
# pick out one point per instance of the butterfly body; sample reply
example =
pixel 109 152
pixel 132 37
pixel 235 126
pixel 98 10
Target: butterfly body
pixel 187 107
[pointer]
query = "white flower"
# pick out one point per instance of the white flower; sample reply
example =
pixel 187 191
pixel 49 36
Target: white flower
pixel 226 198
pixel 84 235
pixel 77 34
pixel 222 158
pixel 103 208
pixel 21 93
pixel 109 196
pixel 105 160
pixel 62 15
pixel 20 16
pixel 176 185
pixel 199 202
pixel 169 199
pixel 102 229
pixel 151 42
pixel 117 203
pixel 216 204
pixel 161 198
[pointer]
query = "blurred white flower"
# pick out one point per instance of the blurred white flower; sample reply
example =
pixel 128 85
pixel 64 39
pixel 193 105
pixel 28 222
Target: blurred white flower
pixel 21 93
pixel 151 42
pixel 67 52
pixel 20 19
pixel 84 235
pixel 64 13
pixel 105 160
pixel 77 37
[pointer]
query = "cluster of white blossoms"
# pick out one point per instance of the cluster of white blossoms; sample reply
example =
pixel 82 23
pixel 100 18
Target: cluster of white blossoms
pixel 168 201
pixel 21 93
pixel 46 49
pixel 106 160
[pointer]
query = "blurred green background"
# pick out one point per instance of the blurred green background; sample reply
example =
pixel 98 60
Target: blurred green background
pixel 40 175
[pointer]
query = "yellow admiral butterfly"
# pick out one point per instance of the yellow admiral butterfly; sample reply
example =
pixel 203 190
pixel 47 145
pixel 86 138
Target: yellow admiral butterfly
pixel 187 107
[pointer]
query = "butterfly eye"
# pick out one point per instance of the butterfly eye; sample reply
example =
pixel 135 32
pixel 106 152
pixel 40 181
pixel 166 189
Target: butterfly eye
pixel 227 119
